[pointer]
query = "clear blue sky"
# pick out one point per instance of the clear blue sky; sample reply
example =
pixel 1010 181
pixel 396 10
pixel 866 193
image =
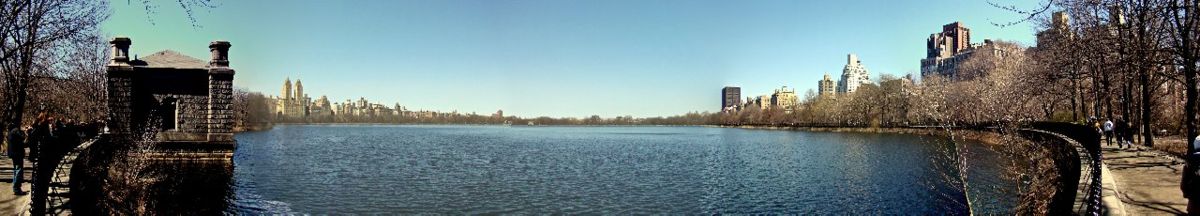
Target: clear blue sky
pixel 555 57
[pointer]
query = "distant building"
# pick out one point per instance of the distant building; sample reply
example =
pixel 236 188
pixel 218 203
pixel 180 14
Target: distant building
pixel 826 86
pixel 321 107
pixel 853 75
pixel 293 104
pixel 944 50
pixel 345 108
pixel 401 111
pixel 1059 29
pixel 954 38
pixel 363 107
pixel 784 98
pixel 760 102
pixel 731 98
pixel 949 48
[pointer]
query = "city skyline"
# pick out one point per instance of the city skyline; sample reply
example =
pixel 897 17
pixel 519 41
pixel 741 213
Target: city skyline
pixel 545 58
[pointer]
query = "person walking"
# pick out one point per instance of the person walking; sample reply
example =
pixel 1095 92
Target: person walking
pixel 1119 131
pixel 16 151
pixel 1127 133
pixel 1108 131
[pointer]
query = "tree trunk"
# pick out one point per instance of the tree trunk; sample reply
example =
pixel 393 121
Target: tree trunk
pixel 1126 104
pixel 1146 109
pixel 1189 106
pixel 1074 99
pixel 1097 97
pixel 1187 51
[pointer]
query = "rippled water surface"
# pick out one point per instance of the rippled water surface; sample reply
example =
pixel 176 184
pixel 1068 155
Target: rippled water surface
pixel 606 170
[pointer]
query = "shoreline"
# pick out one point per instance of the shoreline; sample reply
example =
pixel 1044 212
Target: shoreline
pixel 270 126
pixel 253 127
pixel 986 137
pixel 990 138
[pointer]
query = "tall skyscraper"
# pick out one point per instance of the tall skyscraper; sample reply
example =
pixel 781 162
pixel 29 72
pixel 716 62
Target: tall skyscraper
pixel 853 75
pixel 287 89
pixel 731 98
pixel 954 38
pixel 292 102
pixel 945 49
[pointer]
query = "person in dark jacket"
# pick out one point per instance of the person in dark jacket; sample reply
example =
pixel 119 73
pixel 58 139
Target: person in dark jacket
pixel 37 137
pixel 1129 132
pixel 1126 134
pixel 1121 129
pixel 48 137
pixel 16 151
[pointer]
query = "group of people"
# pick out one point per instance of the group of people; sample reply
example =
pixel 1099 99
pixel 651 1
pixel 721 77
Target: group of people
pixel 48 139
pixel 1121 130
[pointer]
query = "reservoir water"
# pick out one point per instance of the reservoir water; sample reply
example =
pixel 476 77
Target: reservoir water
pixel 366 169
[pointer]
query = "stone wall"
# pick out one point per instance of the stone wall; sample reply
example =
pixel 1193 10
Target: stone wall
pixel 220 104
pixel 154 87
pixel 191 117
pixel 120 95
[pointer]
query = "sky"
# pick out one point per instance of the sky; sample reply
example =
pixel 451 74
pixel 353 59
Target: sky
pixel 559 58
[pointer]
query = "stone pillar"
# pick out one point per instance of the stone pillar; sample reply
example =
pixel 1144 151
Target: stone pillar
pixel 120 50
pixel 119 75
pixel 220 53
pixel 220 94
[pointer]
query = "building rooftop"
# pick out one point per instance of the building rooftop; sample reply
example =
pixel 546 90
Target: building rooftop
pixel 170 59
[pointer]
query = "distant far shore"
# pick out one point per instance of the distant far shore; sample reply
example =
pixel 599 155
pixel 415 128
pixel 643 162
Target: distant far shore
pixel 269 126
pixel 514 125
pixel 988 137
pixel 982 136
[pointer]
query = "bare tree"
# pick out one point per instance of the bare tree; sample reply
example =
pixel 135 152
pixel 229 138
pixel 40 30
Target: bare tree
pixel 1181 24
pixel 30 31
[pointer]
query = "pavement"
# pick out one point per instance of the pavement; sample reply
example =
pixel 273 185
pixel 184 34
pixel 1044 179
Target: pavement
pixel 1147 181
pixel 11 204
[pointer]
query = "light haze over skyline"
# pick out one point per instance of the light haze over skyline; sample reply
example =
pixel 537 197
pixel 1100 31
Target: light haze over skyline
pixel 560 58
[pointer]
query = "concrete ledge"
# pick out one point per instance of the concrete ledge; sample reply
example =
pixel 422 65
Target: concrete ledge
pixel 219 137
pixel 1109 194
pixel 198 146
pixel 169 136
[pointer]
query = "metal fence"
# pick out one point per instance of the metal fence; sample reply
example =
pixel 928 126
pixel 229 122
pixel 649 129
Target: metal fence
pixel 1086 198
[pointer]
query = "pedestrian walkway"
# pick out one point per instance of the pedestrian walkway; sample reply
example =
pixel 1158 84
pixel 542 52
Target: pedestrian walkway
pixel 1147 181
pixel 11 204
